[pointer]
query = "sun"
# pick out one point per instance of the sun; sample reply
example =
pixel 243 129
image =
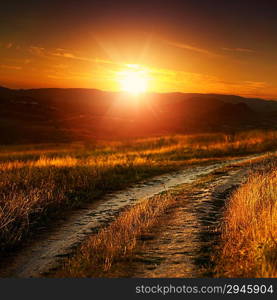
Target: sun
pixel 134 81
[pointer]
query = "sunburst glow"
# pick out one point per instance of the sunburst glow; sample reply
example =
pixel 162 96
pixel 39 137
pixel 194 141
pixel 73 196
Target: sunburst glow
pixel 134 81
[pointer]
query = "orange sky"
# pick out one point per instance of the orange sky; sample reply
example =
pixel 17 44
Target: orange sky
pixel 198 52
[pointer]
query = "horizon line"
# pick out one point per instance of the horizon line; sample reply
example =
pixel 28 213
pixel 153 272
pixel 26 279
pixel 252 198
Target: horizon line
pixel 110 91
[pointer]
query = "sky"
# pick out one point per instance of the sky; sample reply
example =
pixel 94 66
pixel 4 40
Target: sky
pixel 215 46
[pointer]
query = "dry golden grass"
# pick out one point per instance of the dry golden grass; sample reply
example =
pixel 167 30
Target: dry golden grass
pixel 97 255
pixel 39 182
pixel 249 238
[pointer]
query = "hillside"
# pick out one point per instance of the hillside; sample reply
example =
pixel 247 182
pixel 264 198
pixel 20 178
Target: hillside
pixel 57 115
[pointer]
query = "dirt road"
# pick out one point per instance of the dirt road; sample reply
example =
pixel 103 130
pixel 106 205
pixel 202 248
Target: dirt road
pixel 51 246
pixel 182 243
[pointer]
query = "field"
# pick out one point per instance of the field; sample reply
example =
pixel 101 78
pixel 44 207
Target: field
pixel 246 248
pixel 42 183
pixel 249 230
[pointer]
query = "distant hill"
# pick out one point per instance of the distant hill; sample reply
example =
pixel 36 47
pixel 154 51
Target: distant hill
pixel 60 115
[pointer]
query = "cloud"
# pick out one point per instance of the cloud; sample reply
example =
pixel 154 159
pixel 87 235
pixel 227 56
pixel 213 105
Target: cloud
pixel 52 74
pixel 9 67
pixel 61 52
pixel 66 54
pixel 189 47
pixel 246 50
pixel 256 84
pixel 61 66
pixel 173 80
pixel 8 45
pixel 40 51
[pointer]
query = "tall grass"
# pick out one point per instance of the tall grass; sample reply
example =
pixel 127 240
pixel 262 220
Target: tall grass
pixel 39 182
pixel 98 254
pixel 249 238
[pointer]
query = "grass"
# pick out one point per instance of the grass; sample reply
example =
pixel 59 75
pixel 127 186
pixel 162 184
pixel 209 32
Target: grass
pixel 97 255
pixel 41 182
pixel 249 232
pixel 110 252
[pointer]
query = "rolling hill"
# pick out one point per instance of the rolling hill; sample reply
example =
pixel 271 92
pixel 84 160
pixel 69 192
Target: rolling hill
pixel 61 115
